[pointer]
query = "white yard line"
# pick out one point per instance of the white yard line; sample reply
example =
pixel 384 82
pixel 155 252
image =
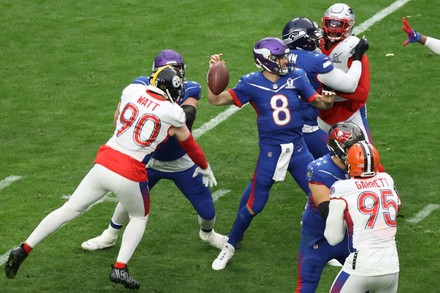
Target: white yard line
pixel 425 212
pixel 8 181
pixel 220 193
pixel 233 109
pixel 359 29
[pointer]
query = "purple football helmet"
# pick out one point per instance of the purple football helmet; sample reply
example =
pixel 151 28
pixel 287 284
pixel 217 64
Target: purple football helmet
pixel 169 57
pixel 266 54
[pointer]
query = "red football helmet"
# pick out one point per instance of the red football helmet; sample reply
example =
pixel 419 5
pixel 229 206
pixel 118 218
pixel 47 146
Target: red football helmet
pixel 363 160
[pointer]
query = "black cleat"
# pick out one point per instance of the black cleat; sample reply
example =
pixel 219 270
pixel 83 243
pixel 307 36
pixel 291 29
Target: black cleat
pixel 16 257
pixel 123 277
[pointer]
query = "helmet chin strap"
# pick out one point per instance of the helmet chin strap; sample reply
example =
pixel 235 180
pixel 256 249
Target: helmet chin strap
pixel 169 96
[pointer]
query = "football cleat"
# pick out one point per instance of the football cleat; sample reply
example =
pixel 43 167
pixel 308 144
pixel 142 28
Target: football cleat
pixel 224 256
pixel 213 238
pixel 16 257
pixel 105 240
pixel 121 276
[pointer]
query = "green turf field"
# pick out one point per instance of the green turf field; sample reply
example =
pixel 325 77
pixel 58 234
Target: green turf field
pixel 63 67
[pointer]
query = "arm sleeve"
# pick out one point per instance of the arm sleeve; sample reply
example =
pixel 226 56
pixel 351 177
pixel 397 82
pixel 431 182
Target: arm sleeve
pixel 361 93
pixel 433 44
pixel 192 148
pixel 334 228
pixel 341 81
pixel 190 114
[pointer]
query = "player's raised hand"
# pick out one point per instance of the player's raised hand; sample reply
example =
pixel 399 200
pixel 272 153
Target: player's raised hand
pixel 413 36
pixel 208 176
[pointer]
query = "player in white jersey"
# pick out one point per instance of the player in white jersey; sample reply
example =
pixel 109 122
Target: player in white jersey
pixel 171 162
pixel 339 44
pixel 365 206
pixel 413 37
pixel 146 116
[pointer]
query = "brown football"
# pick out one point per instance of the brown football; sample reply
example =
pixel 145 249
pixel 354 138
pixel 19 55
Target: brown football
pixel 218 78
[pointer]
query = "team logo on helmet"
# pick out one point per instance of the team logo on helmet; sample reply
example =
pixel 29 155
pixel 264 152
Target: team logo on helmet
pixel 340 135
pixel 177 82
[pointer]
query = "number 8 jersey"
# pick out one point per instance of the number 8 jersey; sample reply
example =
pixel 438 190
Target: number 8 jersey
pixel 369 208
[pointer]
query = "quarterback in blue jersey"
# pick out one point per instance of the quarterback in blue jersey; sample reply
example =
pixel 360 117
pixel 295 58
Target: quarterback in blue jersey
pixel 314 251
pixel 302 36
pixel 171 162
pixel 275 95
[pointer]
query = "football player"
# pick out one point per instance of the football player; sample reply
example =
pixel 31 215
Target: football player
pixel 120 168
pixel 302 36
pixel 171 162
pixel 413 36
pixel 365 206
pixel 274 93
pixel 314 250
pixel 338 44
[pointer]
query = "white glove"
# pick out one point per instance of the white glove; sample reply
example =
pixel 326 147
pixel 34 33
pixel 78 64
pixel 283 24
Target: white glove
pixel 208 176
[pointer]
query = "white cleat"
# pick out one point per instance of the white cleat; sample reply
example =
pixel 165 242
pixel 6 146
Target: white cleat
pixel 334 263
pixel 213 238
pixel 222 259
pixel 102 241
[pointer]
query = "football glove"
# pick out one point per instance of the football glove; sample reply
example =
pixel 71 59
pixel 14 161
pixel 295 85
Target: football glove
pixel 208 177
pixel 413 36
pixel 360 49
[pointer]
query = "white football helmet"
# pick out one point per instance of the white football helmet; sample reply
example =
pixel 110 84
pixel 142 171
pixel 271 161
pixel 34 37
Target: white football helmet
pixel 338 22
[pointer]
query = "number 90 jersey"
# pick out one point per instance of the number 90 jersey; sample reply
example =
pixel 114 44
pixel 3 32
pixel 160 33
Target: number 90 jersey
pixel 144 120
pixel 279 116
pixel 371 206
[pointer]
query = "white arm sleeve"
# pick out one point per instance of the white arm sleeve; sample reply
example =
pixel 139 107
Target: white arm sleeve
pixel 433 44
pixel 339 80
pixel 334 226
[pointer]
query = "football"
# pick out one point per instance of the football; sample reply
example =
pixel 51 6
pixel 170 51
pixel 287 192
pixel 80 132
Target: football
pixel 218 78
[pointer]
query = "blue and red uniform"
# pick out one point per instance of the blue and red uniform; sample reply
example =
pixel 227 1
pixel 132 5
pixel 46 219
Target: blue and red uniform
pixel 170 161
pixel 313 63
pixel 282 147
pixel 314 250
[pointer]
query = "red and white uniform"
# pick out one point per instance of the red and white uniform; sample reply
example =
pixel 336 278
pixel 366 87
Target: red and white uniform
pixel 366 209
pixel 346 106
pixel 144 121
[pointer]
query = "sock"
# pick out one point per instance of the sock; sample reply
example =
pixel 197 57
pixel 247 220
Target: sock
pixel 120 265
pixel 206 225
pixel 242 222
pixel 26 247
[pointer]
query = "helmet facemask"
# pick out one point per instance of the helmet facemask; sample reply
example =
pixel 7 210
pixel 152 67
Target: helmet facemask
pixel 338 22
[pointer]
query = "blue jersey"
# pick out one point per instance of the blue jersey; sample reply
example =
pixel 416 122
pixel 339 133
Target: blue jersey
pixel 313 63
pixel 321 171
pixel 276 103
pixel 171 150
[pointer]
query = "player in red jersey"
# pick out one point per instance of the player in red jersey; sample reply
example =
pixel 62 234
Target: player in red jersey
pixel 146 116
pixel 338 44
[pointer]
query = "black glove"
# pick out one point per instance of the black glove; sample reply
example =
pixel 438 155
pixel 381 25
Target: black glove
pixel 360 49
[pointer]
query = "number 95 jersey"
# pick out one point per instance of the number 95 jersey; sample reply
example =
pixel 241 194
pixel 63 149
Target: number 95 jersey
pixel 371 206
pixel 144 120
